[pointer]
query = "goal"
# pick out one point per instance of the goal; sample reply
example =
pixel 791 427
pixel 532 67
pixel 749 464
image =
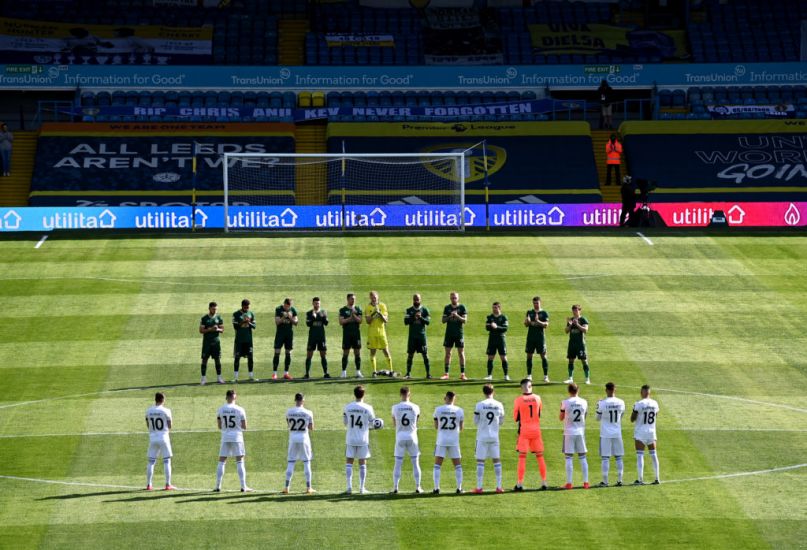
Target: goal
pixel 373 191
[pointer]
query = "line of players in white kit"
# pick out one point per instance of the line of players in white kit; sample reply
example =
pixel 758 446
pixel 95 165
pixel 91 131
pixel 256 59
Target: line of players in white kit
pixel 449 420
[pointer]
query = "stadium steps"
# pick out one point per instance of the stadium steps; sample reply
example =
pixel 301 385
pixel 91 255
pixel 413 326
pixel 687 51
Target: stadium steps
pixel 311 185
pixel 291 41
pixel 14 189
pixel 610 193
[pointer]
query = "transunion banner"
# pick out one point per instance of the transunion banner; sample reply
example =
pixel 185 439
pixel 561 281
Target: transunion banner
pixel 369 217
pixel 42 42
pixel 337 40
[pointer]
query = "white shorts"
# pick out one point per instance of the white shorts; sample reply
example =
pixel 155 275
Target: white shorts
pixel 648 438
pixel 447 452
pixel 611 446
pixel 407 446
pixel 487 449
pixel 357 451
pixel 157 448
pixel 300 450
pixel 232 448
pixel 574 444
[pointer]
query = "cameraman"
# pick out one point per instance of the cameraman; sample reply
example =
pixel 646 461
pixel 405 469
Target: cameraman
pixel 628 193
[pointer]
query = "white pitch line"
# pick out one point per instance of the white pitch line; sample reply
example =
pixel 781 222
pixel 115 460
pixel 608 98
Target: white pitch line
pixel 41 241
pixel 326 286
pixel 140 488
pixel 648 241
pixel 340 430
pixel 735 398
pixel 739 474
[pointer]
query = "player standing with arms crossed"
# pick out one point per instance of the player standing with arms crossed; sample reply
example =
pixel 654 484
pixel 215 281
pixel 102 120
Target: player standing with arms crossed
pixel 537 321
pixel 405 416
pixel 577 328
pixel 488 417
pixel 300 422
pixel 417 318
pixel 232 422
pixel 210 327
pixel 573 413
pixel 609 415
pixel 496 325
pixel 454 317
pixel 350 318
pixel 358 417
pixel 527 409
pixel 449 421
pixel 285 320
pixel 159 422
pixel 244 324
pixel 377 317
pixel 645 413
pixel 316 320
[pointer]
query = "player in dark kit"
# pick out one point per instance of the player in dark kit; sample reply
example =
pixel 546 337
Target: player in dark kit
pixel 350 317
pixel 536 321
pixel 244 324
pixel 285 319
pixel 316 320
pixel 576 328
pixel 454 316
pixel 210 327
pixel 417 318
pixel 496 325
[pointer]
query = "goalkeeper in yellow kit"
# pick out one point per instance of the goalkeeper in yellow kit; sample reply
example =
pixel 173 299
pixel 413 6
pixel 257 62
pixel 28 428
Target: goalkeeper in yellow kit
pixel 377 316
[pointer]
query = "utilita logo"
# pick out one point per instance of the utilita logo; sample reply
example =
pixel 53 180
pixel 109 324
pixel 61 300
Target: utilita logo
pixel 792 216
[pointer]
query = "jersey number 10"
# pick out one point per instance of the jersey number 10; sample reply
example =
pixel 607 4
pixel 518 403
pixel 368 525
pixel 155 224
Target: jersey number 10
pixel 157 424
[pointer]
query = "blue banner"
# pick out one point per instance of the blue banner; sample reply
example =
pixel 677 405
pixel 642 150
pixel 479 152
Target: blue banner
pixel 298 115
pixel 353 78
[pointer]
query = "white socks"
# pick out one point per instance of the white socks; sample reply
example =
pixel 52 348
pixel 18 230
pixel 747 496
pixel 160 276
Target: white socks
pixel 150 470
pixel 497 468
pixel 396 472
pixel 640 465
pixel 242 472
pixel 606 466
pixel 654 458
pixel 436 476
pixel 166 469
pixel 620 468
pixel 584 468
pixel 480 474
pixel 569 468
pixel 416 469
pixel 362 476
pixel 289 472
pixel 219 474
pixel 349 475
pixel 458 475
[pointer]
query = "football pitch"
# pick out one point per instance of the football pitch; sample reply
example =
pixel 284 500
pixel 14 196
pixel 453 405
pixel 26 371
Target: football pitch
pixel 94 326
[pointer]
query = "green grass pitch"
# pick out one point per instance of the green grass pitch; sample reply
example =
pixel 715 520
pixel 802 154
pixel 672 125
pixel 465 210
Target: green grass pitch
pixel 92 327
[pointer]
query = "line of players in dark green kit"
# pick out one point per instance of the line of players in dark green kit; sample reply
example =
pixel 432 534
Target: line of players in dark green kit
pixel 417 318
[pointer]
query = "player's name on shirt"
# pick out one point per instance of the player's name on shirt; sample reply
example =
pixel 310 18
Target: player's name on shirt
pixel 449 419
pixel 298 419
pixel 574 422
pixel 358 418
pixel 231 417
pixel 406 417
pixel 609 413
pixel 489 415
pixel 158 419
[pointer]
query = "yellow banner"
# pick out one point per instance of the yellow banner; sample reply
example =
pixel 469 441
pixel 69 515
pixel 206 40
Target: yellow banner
pixel 448 129
pixel 596 38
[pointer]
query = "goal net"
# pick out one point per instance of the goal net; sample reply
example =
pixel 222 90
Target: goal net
pixel 292 191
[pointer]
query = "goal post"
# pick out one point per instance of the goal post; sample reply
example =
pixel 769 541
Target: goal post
pixel 344 191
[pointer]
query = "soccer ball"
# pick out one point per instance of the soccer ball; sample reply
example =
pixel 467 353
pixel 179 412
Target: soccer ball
pixel 378 423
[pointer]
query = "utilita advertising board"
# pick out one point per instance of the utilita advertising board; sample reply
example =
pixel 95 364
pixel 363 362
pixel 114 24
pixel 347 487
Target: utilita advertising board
pixel 369 217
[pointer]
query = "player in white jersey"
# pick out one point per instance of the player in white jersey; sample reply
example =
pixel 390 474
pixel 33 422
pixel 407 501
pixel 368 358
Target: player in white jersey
pixel 573 413
pixel 232 422
pixel 358 417
pixel 449 421
pixel 300 422
pixel 609 414
pixel 405 415
pixel 159 422
pixel 644 414
pixel 488 417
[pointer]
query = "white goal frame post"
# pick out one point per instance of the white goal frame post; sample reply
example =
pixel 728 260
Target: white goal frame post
pixel 459 170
